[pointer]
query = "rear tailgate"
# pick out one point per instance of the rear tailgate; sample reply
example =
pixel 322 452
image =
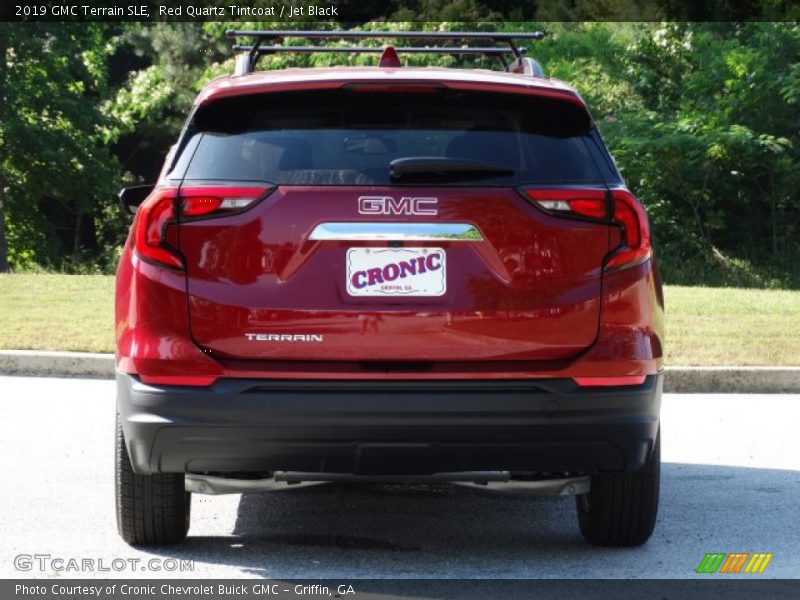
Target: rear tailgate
pixel 340 262
pixel 259 287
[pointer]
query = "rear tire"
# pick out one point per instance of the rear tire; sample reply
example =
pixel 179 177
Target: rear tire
pixel 152 510
pixel 621 508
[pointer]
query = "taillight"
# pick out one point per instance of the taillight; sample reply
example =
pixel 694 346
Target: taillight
pixel 159 210
pixel 635 247
pixel 584 203
pixel 150 226
pixel 213 201
pixel 593 204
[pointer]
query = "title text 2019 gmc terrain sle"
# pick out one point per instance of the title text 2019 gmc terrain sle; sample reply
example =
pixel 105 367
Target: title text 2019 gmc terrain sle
pixel 388 273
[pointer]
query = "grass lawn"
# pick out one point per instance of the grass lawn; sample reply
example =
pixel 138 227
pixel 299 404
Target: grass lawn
pixel 57 312
pixel 727 326
pixel 705 326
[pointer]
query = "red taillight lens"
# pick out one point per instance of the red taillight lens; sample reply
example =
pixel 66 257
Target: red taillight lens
pixel 587 203
pixel 159 210
pixel 627 213
pixel 200 205
pixel 635 246
pixel 208 201
pixel 595 209
pixel 150 225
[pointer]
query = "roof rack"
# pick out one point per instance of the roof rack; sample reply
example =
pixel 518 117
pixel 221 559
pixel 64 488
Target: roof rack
pixel 249 54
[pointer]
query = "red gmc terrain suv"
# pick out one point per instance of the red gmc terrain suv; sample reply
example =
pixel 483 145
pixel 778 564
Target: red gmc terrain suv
pixel 388 273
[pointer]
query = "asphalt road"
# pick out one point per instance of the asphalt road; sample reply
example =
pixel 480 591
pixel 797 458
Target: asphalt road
pixel 731 482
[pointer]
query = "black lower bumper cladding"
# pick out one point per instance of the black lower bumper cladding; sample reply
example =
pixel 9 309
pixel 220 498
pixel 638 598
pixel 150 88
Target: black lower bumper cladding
pixel 388 427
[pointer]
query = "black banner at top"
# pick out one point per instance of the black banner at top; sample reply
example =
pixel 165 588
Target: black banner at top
pixel 355 11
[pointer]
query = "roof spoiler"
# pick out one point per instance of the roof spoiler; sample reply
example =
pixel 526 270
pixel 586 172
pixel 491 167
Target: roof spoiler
pixel 271 42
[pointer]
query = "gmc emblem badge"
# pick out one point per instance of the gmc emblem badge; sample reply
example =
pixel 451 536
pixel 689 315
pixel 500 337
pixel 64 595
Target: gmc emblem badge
pixel 386 205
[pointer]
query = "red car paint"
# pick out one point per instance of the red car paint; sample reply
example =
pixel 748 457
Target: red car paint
pixel 316 79
pixel 532 300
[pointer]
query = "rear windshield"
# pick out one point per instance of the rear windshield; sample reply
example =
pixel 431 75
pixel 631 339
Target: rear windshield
pixel 343 137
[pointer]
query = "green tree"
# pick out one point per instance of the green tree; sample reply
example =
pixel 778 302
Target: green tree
pixel 56 171
pixel 703 120
pixel 150 105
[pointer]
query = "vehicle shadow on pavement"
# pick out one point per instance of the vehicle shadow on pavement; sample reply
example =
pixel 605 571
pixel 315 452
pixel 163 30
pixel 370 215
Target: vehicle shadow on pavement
pixel 435 531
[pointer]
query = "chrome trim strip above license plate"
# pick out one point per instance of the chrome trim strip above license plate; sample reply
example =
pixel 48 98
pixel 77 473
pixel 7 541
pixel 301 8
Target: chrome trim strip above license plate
pixel 357 231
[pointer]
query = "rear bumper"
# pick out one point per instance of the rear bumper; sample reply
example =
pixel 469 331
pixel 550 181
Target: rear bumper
pixel 388 427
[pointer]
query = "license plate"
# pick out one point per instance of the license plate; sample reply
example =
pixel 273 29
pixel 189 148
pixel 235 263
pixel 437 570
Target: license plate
pixel 396 272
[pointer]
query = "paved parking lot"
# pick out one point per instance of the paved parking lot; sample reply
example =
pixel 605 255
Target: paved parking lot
pixel 731 482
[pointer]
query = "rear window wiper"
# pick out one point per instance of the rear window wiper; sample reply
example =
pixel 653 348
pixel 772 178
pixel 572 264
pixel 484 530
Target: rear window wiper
pixel 448 168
